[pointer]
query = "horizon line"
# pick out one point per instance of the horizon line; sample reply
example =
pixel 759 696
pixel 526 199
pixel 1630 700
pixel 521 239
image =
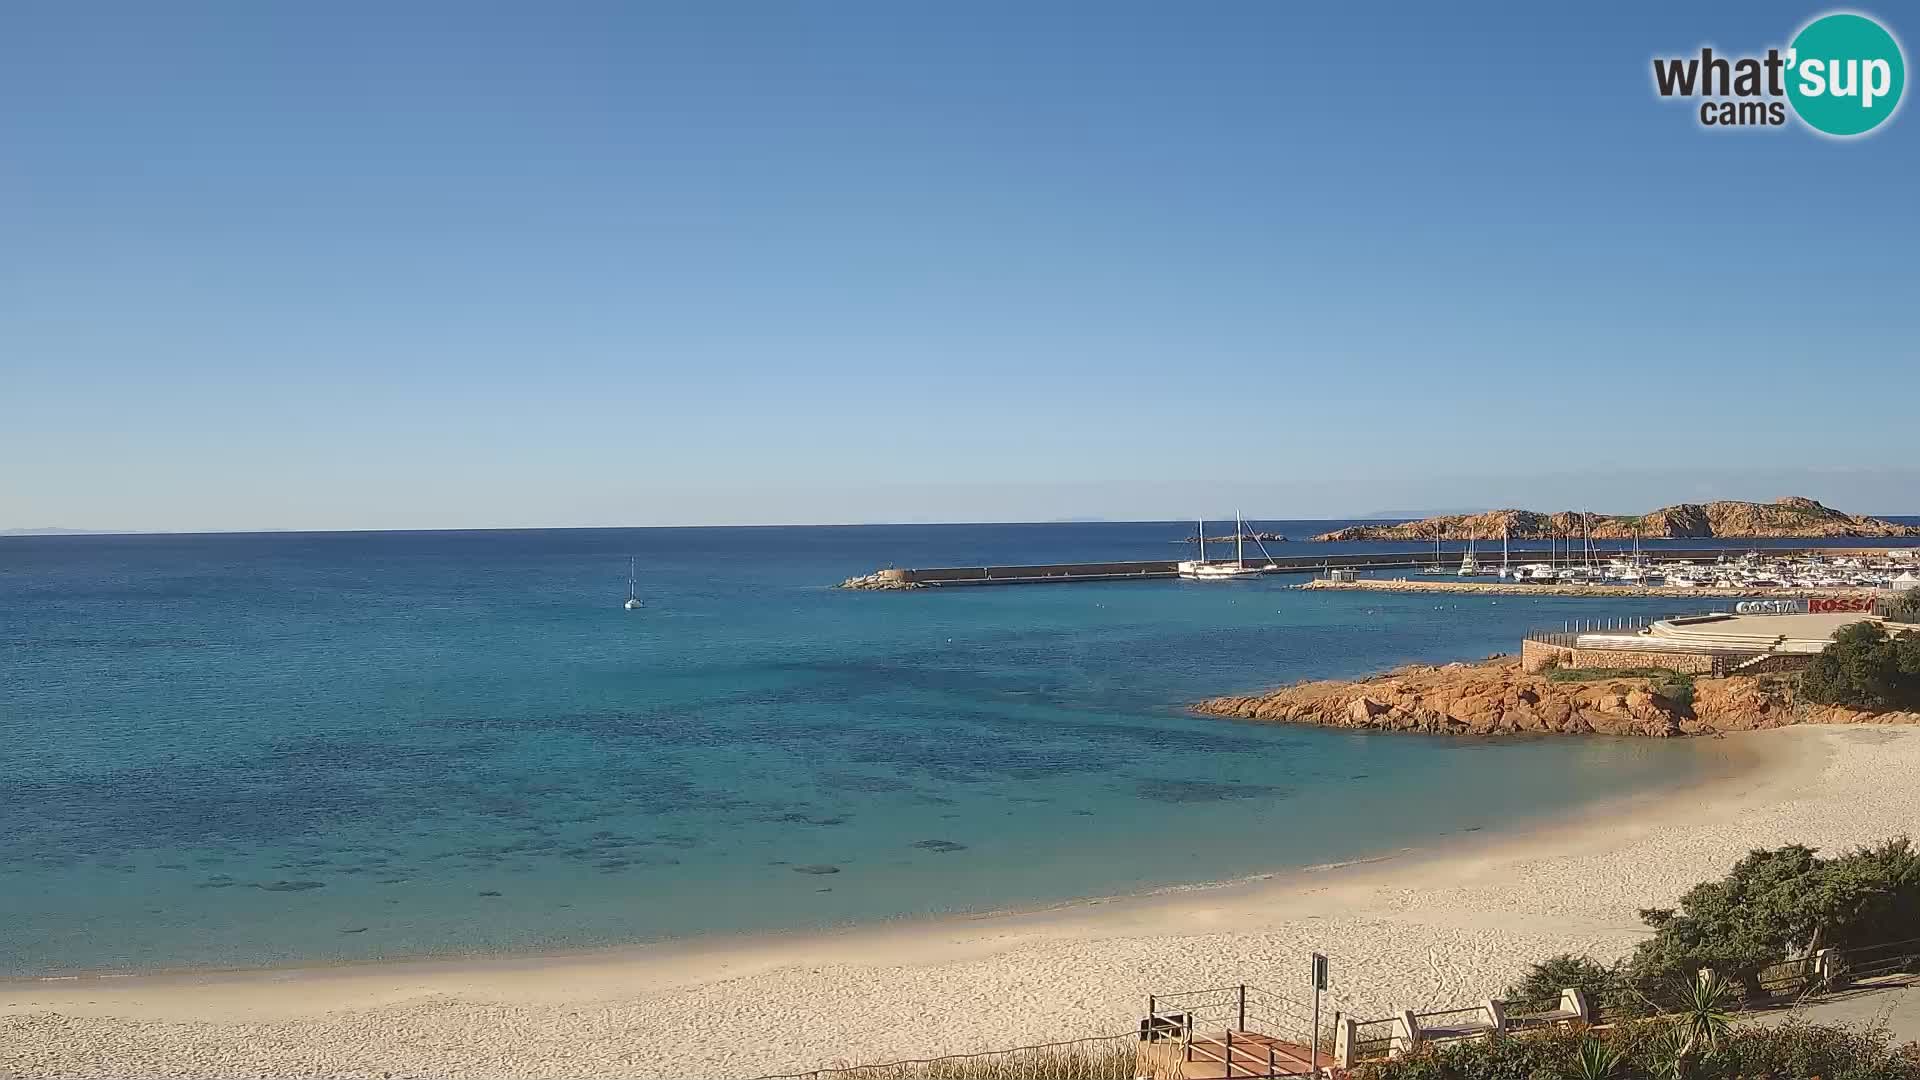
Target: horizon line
pixel 55 533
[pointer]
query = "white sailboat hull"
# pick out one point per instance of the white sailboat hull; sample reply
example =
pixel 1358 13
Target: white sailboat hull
pixel 1199 571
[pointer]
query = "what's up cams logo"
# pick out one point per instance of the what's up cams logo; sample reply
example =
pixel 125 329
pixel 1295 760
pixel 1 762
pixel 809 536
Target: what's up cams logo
pixel 1842 76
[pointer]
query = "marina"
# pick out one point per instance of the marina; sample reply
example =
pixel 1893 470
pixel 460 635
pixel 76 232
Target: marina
pixel 1734 569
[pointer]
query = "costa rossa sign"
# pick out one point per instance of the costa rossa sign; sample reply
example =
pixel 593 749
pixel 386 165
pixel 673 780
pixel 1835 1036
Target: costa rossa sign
pixel 1770 607
pixel 1828 605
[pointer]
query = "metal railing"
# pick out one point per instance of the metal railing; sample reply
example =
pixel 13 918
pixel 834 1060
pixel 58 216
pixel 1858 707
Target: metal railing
pixel 1874 962
pixel 1373 1038
pixel 1239 1007
pixel 1526 1015
pixel 1450 1018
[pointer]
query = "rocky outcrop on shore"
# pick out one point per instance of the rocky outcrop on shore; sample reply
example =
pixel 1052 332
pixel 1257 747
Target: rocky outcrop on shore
pixel 1789 518
pixel 1495 698
pixel 880 580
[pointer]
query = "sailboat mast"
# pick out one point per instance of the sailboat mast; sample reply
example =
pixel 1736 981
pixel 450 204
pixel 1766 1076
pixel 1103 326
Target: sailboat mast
pixel 1239 540
pixel 1203 539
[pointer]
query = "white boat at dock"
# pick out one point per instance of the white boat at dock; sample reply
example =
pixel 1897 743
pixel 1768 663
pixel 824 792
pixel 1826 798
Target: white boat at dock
pixel 1470 564
pixel 1202 569
pixel 1438 568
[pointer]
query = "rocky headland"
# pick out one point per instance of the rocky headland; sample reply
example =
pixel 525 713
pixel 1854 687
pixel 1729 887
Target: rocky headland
pixel 1494 698
pixel 1789 518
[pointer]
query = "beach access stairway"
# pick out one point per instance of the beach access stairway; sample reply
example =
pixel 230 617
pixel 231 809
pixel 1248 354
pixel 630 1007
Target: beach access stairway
pixel 1227 1033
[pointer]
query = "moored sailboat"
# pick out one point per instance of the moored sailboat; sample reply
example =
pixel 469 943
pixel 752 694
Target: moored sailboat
pixel 633 594
pixel 1202 570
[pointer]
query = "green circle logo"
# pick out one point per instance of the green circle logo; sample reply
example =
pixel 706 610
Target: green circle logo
pixel 1845 74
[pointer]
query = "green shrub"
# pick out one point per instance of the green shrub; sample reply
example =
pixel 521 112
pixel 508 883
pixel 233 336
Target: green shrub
pixel 1905 606
pixel 1799 1049
pixel 1663 1049
pixel 1544 980
pixel 1866 668
pixel 1551 1053
pixel 1781 903
pixel 1677 688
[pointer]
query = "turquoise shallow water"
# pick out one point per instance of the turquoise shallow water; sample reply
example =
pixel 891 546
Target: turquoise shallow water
pixel 245 750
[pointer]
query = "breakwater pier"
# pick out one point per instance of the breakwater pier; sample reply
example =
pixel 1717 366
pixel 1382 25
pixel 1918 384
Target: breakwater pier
pixel 1156 569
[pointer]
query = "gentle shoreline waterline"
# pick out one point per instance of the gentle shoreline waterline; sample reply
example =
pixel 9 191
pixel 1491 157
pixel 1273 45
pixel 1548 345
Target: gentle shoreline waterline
pixel 1479 909
pixel 321 749
pixel 1740 759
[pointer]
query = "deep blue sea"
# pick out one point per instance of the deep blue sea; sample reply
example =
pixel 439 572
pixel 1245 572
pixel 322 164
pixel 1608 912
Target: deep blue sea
pixel 278 748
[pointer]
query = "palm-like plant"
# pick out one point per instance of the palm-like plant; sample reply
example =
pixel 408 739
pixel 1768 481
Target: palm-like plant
pixel 1670 1053
pixel 1598 1060
pixel 1693 1030
pixel 1704 1012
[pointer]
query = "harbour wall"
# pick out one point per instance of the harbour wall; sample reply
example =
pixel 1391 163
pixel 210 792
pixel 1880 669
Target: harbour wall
pixel 1025 575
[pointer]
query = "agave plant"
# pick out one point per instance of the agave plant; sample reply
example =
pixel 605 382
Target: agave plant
pixel 1691 1031
pixel 1598 1059
pixel 1670 1053
pixel 1705 1014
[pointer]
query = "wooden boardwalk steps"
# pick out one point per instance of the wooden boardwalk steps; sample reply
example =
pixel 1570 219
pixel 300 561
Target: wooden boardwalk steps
pixel 1227 1055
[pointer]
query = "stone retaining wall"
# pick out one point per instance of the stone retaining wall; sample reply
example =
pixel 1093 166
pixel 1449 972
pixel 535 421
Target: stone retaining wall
pixel 1780 664
pixel 1538 656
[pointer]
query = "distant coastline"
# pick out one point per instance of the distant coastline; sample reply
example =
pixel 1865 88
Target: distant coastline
pixel 1790 518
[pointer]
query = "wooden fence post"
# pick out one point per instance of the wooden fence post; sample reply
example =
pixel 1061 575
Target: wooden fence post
pixel 1827 968
pixel 1345 1034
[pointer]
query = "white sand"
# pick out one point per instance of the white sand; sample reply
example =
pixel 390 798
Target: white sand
pixel 1438 929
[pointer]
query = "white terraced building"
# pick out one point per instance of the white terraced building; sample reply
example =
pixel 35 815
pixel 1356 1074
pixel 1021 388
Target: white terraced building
pixel 1719 643
pixel 1731 634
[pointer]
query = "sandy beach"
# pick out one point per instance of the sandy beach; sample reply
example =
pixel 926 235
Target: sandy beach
pixel 1418 929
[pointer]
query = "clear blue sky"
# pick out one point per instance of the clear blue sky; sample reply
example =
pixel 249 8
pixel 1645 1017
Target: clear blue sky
pixel 369 265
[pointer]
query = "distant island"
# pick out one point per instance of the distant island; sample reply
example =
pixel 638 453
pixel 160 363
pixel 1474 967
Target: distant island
pixel 1257 537
pixel 1730 519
